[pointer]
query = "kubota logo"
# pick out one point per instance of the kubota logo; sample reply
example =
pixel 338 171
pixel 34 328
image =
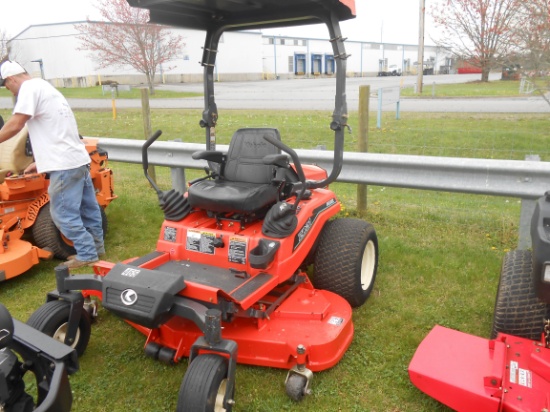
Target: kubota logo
pixel 129 297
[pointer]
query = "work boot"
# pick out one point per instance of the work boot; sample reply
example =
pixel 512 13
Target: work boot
pixel 72 257
pixel 75 263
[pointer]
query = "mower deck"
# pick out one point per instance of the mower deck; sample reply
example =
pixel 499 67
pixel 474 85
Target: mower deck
pixel 318 320
pixel 22 256
pixel 469 373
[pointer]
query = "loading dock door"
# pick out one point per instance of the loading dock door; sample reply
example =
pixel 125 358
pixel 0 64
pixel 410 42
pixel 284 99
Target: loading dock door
pixel 300 64
pixel 316 64
pixel 329 64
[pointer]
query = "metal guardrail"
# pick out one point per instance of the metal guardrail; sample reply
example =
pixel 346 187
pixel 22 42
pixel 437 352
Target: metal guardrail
pixel 527 180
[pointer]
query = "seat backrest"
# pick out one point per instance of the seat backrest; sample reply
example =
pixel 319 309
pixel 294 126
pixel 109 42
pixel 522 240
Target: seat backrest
pixel 247 149
pixel 12 154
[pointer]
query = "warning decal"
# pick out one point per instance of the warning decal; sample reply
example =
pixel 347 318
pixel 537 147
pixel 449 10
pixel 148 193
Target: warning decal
pixel 202 242
pixel 335 320
pixel 237 250
pixel 170 234
pixel 523 377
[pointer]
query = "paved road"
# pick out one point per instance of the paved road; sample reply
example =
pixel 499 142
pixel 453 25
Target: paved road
pixel 318 94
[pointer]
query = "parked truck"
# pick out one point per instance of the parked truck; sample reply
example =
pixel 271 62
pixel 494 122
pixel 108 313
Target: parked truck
pixel 392 70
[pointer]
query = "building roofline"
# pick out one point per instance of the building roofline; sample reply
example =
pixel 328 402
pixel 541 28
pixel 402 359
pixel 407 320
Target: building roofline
pixel 280 36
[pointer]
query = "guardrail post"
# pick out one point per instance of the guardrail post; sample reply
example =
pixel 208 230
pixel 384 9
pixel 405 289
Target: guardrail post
pixel 178 176
pixel 364 95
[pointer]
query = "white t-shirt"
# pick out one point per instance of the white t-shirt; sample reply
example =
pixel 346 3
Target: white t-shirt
pixel 56 144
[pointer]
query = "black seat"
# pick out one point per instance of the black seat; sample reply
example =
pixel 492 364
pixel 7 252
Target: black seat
pixel 246 183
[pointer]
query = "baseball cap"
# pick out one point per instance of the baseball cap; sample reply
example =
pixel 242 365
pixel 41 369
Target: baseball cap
pixel 9 68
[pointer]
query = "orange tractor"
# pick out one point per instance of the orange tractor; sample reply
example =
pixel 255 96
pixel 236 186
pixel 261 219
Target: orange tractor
pixel 27 232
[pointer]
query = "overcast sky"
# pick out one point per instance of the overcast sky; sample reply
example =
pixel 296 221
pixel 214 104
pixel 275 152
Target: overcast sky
pixel 392 21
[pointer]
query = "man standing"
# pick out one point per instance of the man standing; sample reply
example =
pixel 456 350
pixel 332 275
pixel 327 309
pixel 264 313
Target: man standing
pixel 57 150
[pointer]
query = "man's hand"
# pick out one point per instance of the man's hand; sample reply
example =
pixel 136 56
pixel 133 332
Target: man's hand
pixel 30 168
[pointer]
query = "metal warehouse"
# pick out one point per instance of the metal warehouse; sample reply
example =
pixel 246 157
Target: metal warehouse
pixel 52 51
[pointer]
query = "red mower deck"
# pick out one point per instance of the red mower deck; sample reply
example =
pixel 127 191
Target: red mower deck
pixel 472 374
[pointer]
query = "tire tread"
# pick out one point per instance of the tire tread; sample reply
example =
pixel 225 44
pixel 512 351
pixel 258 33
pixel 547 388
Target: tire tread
pixel 518 311
pixel 338 255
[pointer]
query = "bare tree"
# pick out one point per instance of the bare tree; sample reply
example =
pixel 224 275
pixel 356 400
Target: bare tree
pixel 4 51
pixel 477 31
pixel 126 39
pixel 531 41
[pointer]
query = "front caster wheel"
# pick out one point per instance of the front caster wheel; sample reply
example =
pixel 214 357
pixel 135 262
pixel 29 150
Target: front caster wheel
pixel 52 319
pixel 296 387
pixel 204 385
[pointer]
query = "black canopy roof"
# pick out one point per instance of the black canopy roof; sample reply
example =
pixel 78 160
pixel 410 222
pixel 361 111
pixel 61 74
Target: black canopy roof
pixel 244 14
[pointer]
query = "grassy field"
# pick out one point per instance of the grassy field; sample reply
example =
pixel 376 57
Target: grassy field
pixel 478 135
pixel 440 257
pixel 499 88
pixel 96 92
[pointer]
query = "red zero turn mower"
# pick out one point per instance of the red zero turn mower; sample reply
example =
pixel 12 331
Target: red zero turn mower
pixel 227 281
pixel 511 371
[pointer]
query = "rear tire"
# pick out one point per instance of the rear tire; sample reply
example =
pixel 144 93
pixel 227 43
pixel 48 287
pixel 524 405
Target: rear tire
pixel 518 311
pixel 346 259
pixel 203 386
pixel 52 319
pixel 47 236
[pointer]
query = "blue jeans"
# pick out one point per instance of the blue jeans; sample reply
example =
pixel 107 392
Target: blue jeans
pixel 75 211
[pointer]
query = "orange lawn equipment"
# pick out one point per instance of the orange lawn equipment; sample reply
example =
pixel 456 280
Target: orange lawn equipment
pixel 27 232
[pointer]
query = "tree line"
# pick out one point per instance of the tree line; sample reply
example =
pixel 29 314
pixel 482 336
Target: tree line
pixel 491 34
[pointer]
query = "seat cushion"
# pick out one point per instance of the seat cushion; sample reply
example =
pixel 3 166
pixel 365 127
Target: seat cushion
pixel 231 197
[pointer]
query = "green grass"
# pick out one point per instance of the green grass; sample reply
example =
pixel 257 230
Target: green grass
pixel 96 92
pixel 476 135
pixel 440 256
pixel 498 88
pixel 134 93
pixel 492 136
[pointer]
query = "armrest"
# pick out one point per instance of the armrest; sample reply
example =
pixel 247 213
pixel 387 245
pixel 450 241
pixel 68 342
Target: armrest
pixel 209 155
pixel 280 160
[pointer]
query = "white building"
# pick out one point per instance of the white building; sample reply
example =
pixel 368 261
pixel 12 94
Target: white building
pixel 52 51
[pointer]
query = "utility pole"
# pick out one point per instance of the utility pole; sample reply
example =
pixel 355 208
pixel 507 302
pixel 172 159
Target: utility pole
pixel 421 47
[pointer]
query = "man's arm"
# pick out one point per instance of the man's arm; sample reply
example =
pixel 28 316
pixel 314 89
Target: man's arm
pixel 13 126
